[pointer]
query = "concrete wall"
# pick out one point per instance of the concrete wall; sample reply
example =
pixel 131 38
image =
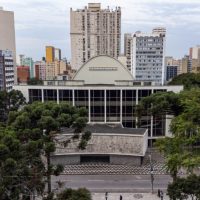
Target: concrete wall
pixel 65 159
pixel 114 160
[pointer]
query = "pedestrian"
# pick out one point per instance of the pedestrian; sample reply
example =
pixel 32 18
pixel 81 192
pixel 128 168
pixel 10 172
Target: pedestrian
pixel 120 197
pixel 159 193
pixel 106 195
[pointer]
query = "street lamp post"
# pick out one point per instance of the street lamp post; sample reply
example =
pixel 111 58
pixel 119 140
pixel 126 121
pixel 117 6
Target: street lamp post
pixel 151 173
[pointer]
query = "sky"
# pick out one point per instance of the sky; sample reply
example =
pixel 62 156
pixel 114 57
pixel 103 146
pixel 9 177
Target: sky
pixel 47 22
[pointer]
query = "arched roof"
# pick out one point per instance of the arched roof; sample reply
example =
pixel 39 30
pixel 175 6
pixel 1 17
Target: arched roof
pixel 103 69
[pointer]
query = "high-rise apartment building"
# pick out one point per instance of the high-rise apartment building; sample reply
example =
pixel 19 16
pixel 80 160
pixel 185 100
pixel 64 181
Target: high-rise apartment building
pixel 23 74
pixel 50 53
pixel 57 53
pixel 7 34
pixel 94 31
pixel 6 70
pixel 194 52
pixel 40 70
pixel 128 45
pixel 148 56
pixel 186 64
pixel 27 61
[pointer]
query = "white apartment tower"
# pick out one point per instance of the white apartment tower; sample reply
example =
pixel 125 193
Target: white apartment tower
pixel 148 56
pixel 94 31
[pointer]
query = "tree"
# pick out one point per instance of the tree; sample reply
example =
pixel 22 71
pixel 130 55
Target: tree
pixel 20 166
pixel 10 101
pixel 183 188
pixel 38 123
pixel 34 81
pixel 79 194
pixel 179 150
pixel 188 80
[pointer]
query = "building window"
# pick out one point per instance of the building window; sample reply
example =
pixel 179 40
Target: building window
pixel 35 95
pixel 113 105
pixel 50 95
pixel 97 105
pixel 65 95
pixel 81 98
pixel 128 108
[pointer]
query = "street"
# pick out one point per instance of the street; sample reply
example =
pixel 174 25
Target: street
pixel 112 183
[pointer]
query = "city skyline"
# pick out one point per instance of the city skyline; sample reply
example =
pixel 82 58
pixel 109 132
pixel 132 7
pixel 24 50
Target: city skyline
pixel 44 23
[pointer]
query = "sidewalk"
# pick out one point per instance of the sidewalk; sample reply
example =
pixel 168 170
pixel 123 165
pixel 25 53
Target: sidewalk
pixel 128 196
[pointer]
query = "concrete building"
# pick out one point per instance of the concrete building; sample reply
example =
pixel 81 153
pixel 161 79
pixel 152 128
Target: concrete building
pixel 57 54
pixel 194 52
pixel 23 74
pixel 195 65
pixel 112 144
pixel 7 35
pixel 172 71
pixel 50 53
pixel 128 49
pixel 19 59
pixel 27 61
pixel 94 31
pixel 172 66
pixel 6 70
pixel 106 89
pixel 40 70
pixel 186 65
pixel 148 55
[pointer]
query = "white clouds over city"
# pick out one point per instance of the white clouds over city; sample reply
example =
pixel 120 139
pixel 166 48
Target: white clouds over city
pixel 46 22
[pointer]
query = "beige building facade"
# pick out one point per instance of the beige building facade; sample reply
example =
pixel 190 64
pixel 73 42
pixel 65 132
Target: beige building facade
pixel 7 34
pixel 94 31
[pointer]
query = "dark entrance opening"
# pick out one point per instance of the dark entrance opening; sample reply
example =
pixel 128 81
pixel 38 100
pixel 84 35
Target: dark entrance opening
pixel 95 159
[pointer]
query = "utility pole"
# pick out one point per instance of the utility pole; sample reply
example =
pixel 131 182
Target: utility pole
pixel 151 173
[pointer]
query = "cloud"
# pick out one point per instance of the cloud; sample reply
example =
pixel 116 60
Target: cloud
pixel 39 22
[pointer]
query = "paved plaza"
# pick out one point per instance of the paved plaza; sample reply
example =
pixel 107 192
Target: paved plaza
pixel 128 196
pixel 102 168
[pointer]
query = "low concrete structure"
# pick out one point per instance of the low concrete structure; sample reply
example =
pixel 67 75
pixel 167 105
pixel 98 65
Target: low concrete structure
pixel 111 144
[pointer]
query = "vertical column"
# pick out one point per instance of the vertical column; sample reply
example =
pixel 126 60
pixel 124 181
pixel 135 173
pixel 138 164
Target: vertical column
pixel 89 108
pixel 57 96
pixel 73 98
pixel 105 110
pixel 42 95
pixel 136 119
pixel 121 106
pixel 151 121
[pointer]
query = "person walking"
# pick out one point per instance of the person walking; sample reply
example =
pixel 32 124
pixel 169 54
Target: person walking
pixel 120 197
pixel 161 195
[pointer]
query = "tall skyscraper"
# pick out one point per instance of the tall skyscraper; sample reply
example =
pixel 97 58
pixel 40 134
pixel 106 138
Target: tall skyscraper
pixel 94 31
pixel 7 34
pixel 50 53
pixel 148 56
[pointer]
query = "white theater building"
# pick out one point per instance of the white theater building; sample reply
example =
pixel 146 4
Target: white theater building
pixel 107 89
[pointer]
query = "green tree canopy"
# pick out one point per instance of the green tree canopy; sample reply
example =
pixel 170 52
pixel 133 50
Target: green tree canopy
pixel 34 81
pixel 184 111
pixel 189 80
pixel 10 101
pixel 38 123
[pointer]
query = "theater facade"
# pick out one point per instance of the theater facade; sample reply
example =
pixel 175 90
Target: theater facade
pixel 107 89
